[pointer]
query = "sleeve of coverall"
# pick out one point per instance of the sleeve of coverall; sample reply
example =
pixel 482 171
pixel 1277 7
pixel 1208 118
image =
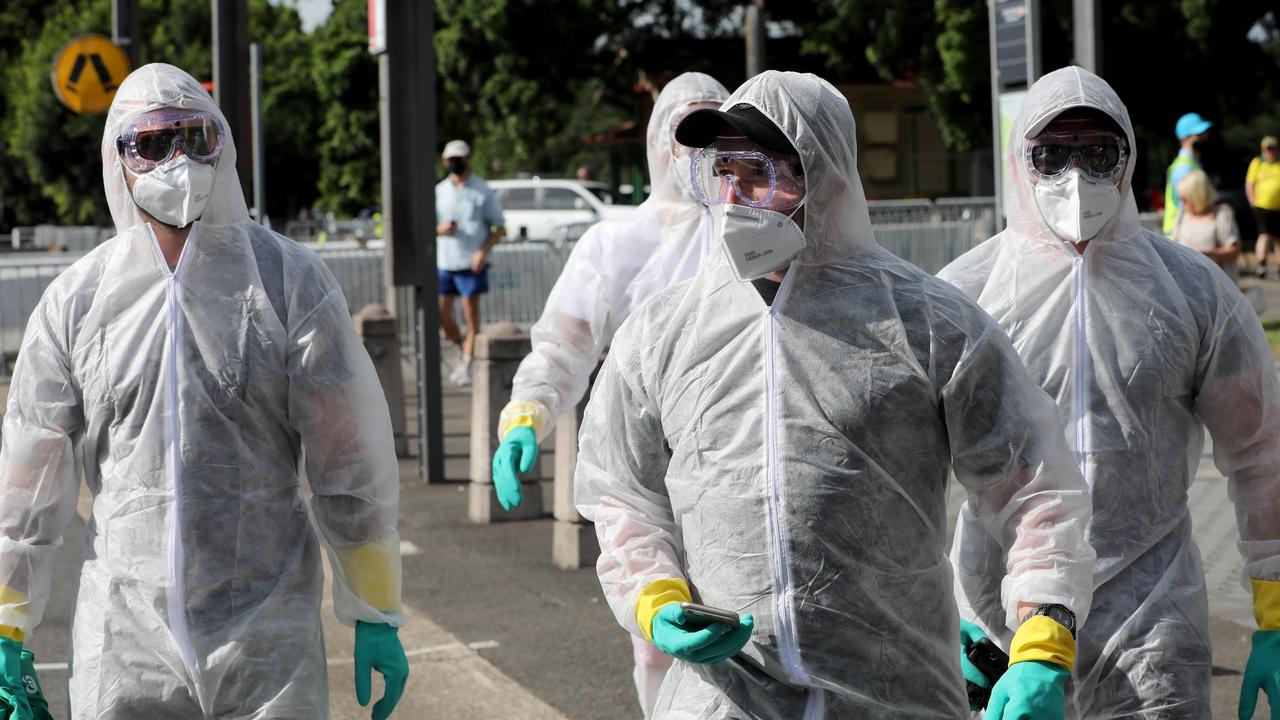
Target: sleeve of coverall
pixel 575 326
pixel 1238 399
pixel 1009 451
pixel 620 484
pixel 39 468
pixel 338 409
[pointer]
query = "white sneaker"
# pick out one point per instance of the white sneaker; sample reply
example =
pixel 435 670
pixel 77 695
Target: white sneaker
pixel 461 375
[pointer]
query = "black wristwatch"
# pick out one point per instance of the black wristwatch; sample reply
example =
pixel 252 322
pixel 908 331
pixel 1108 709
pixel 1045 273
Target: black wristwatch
pixel 1059 614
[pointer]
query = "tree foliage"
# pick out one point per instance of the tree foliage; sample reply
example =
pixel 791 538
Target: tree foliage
pixel 524 81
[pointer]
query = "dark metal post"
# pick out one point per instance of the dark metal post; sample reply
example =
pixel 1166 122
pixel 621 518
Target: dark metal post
pixel 124 29
pixel 231 78
pixel 755 33
pixel 407 75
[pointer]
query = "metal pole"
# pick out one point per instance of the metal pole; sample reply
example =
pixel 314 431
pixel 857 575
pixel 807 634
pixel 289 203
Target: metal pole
pixel 408 211
pixel 1033 41
pixel 1086 21
pixel 995 115
pixel 231 73
pixel 755 37
pixel 255 104
pixel 124 29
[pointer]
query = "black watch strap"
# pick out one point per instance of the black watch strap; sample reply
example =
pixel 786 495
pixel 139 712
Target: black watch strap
pixel 1059 614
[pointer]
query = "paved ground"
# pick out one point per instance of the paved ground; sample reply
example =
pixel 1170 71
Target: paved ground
pixel 496 632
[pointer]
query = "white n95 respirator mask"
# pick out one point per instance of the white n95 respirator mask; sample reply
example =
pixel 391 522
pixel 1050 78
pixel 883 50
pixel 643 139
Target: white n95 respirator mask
pixel 1076 206
pixel 175 192
pixel 757 241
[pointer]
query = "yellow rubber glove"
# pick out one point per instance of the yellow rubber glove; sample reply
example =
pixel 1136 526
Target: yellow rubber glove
pixel 523 413
pixel 9 596
pixel 1041 638
pixel 653 597
pixel 370 572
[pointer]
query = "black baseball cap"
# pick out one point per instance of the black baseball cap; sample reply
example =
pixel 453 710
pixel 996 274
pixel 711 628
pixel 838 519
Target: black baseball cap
pixel 700 128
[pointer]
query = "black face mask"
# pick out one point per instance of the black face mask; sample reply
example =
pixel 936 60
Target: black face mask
pixel 457 166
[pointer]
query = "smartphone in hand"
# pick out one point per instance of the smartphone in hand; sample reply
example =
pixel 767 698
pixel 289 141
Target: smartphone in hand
pixel 705 614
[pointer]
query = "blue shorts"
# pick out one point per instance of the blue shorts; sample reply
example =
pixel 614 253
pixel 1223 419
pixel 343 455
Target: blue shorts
pixel 464 282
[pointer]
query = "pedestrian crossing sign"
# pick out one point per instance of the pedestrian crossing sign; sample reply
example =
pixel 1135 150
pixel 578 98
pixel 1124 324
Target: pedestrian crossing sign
pixel 86 73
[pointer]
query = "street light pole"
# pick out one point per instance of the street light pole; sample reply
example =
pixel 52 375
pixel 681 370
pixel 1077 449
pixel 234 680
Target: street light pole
pixel 231 75
pixel 124 29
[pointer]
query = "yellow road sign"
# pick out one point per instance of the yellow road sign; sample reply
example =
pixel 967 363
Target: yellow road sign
pixel 86 73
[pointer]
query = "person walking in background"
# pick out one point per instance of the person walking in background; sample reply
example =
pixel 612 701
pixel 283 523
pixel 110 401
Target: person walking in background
pixel 1190 130
pixel 469 222
pixel 1262 185
pixel 1206 225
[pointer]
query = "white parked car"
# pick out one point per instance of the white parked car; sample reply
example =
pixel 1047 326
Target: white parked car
pixel 536 207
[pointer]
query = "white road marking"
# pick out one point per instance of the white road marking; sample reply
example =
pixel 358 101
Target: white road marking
pixel 478 645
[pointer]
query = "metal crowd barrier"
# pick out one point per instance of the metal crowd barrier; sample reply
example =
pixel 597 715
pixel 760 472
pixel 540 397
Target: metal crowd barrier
pixel 927 233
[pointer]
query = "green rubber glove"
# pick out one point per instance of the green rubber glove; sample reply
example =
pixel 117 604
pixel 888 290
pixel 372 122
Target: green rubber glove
pixel 519 449
pixel 970 634
pixel 35 693
pixel 378 648
pixel 1030 690
pixel 13 694
pixel 703 644
pixel 1262 672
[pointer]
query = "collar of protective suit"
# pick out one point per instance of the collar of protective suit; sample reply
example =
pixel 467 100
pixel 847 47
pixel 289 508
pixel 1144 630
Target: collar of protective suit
pixel 1051 95
pixel 817 120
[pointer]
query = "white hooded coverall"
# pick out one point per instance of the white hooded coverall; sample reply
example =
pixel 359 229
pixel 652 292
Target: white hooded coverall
pixel 790 461
pixel 1142 343
pixel 186 397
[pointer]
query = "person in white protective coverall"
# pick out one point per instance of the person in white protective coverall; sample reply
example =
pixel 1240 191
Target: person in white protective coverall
pixel 185 367
pixel 1142 342
pixel 780 448
pixel 616 266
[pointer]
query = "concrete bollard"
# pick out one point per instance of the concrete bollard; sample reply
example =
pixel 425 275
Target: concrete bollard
pixel 498 352
pixel 573 541
pixel 376 326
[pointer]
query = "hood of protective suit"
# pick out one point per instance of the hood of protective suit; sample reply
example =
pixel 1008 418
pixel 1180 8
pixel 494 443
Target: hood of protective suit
pixel 1059 91
pixel 151 87
pixel 817 120
pixel 668 177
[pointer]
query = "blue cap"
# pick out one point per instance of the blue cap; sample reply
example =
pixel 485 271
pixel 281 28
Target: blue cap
pixel 1191 124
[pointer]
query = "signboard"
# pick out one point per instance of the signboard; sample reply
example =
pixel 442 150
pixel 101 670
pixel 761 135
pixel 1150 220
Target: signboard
pixel 86 73
pixel 1014 26
pixel 377 26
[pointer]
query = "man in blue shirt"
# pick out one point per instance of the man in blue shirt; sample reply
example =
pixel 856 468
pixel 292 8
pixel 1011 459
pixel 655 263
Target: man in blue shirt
pixel 469 223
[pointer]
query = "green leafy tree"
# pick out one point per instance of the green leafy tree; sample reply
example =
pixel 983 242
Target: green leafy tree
pixel 346 82
pixel 290 106
pixel 56 150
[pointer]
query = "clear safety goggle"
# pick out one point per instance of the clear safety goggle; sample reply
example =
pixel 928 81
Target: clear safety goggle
pixel 1100 154
pixel 153 138
pixel 741 172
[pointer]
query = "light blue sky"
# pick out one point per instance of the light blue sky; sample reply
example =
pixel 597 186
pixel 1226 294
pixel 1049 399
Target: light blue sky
pixel 313 12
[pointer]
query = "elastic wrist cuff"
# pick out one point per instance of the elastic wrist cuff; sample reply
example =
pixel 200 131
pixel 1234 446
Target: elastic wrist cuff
pixel 12 633
pixel 653 597
pixel 1040 638
pixel 1266 603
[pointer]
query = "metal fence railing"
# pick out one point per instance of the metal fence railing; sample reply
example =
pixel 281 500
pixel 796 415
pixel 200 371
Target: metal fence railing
pixel 927 233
